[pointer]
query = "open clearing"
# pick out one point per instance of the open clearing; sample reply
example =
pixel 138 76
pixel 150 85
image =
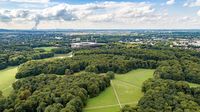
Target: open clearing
pixel 194 85
pixel 63 55
pixel 125 89
pixel 46 48
pixel 7 76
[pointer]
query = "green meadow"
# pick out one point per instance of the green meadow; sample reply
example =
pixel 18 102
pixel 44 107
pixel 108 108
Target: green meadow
pixel 194 85
pixel 7 77
pixel 46 48
pixel 125 89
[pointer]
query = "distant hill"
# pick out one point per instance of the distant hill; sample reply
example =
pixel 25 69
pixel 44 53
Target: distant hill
pixel 100 30
pixel 4 30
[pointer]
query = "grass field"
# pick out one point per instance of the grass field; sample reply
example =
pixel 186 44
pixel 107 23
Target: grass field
pixel 63 55
pixel 194 85
pixel 7 77
pixel 125 89
pixel 46 48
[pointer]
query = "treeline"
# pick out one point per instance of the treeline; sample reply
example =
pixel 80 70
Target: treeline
pixel 149 54
pixel 167 96
pixel 19 58
pixel 50 93
pixel 100 63
pixel 42 55
pixel 61 50
pixel 3 61
pixel 172 65
pixel 179 53
pixel 184 70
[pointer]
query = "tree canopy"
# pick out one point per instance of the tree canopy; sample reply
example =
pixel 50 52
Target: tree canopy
pixel 50 93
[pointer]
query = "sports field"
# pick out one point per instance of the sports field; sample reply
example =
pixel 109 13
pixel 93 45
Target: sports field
pixel 124 89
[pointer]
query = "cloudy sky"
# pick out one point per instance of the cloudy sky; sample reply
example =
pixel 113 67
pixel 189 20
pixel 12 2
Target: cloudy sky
pixel 100 14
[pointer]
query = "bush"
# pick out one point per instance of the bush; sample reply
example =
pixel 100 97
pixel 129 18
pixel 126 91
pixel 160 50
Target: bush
pixel 68 72
pixel 111 74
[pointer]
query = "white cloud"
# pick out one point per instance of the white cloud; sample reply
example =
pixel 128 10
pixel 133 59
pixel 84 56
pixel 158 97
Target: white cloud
pixel 198 13
pixel 95 15
pixel 192 3
pixel 92 12
pixel 170 2
pixel 26 1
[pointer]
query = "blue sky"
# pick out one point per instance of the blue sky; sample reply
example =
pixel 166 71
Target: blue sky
pixel 100 14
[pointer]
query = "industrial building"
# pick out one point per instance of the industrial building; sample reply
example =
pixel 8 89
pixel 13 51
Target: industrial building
pixel 86 44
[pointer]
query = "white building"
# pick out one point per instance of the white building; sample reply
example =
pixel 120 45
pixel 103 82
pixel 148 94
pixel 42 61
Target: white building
pixel 86 44
pixel 195 43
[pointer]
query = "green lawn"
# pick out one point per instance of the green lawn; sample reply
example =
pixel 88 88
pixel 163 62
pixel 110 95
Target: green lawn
pixel 46 48
pixel 7 77
pixel 128 94
pixel 194 85
pixel 128 91
pixel 136 77
pixel 107 97
pixel 63 55
pixel 105 109
pixel 56 56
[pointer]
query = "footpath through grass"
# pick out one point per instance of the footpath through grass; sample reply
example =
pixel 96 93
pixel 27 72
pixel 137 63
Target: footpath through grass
pixel 125 89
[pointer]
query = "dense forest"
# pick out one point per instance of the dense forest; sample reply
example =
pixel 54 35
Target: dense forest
pixel 19 47
pixel 185 70
pixel 179 65
pixel 38 90
pixel 91 63
pixel 19 58
pixel 166 92
pixel 50 93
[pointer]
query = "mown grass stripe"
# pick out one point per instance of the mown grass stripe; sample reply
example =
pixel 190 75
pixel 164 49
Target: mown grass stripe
pixel 107 106
pixel 116 94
